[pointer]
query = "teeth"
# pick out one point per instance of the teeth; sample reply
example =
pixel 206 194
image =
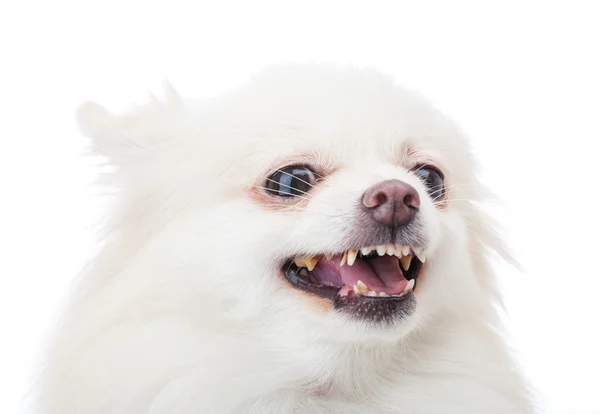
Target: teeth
pixel 361 289
pixel 307 261
pixel 409 286
pixel 420 255
pixel 352 257
pixel 349 257
pixel 303 272
pixel 405 260
pixel 344 258
pixel 361 286
pixel 310 265
pixel 301 261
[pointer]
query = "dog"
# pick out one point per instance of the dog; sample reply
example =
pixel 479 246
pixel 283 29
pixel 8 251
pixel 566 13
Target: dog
pixel 311 242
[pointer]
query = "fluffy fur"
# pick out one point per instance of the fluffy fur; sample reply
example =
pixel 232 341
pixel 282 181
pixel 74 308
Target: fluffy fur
pixel 185 310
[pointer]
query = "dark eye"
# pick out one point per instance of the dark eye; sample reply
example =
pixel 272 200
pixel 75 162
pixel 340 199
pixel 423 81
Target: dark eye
pixel 434 180
pixel 291 181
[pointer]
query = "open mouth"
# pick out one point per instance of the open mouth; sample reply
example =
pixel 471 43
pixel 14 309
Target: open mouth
pixel 385 272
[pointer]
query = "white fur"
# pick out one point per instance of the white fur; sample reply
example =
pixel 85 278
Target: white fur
pixel 184 310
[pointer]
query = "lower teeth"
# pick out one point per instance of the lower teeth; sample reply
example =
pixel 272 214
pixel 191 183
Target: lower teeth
pixel 361 289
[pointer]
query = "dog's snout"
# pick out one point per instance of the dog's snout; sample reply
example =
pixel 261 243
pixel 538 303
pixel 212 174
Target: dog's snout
pixel 392 203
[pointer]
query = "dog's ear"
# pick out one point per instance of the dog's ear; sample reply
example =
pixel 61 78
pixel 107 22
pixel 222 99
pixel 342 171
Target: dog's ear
pixel 133 137
pixel 142 150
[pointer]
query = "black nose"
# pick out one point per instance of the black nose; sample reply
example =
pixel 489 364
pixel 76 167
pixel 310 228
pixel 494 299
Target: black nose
pixel 392 203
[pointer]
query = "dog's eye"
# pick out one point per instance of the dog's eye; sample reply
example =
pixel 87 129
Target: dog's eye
pixel 434 181
pixel 291 181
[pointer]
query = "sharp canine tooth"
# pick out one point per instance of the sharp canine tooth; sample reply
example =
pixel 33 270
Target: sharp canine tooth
pixel 366 250
pixel 409 286
pixel 356 290
pixel 405 250
pixel 405 260
pixel 420 255
pixel 301 261
pixel 372 293
pixel 344 258
pixel 390 250
pixel 329 256
pixel 352 257
pixel 312 263
pixel 361 286
pixel 381 250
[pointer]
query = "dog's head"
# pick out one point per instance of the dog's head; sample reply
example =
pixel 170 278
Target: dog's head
pixel 321 202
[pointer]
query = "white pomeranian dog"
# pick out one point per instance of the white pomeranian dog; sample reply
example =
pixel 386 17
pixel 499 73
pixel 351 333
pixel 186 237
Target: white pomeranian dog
pixel 309 243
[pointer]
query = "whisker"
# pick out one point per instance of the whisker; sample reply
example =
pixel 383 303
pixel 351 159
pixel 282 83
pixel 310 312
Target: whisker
pixel 453 199
pixel 286 209
pixel 300 179
pixel 291 195
pixel 407 346
pixel 294 209
pixel 287 186
pixel 457 186
pixel 440 190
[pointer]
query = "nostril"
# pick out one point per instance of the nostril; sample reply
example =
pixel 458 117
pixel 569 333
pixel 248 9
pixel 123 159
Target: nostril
pixel 412 200
pixel 380 199
pixel 375 199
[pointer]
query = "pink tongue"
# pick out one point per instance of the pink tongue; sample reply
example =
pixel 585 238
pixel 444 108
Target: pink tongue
pixel 381 274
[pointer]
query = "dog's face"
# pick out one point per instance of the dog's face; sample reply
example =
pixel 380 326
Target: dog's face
pixel 314 202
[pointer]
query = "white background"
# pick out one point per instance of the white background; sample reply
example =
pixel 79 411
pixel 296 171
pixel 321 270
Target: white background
pixel 522 78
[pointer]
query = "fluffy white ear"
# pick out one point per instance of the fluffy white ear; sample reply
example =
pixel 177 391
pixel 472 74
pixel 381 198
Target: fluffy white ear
pixel 125 138
pixel 95 122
